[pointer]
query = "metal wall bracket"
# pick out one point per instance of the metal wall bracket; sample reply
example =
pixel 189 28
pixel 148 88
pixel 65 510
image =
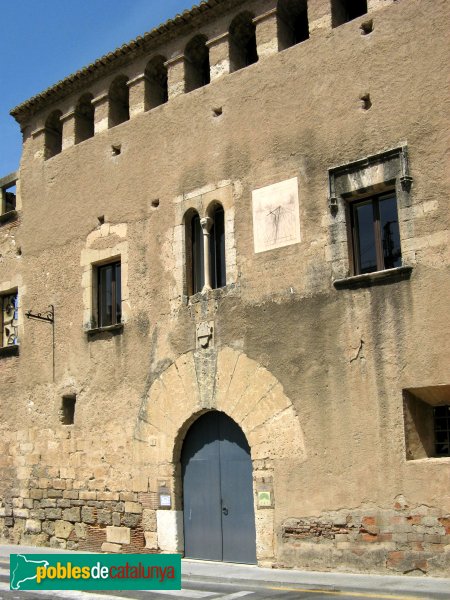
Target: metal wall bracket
pixel 48 315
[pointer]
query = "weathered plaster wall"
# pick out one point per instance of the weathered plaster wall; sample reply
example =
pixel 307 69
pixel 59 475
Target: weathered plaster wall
pixel 346 497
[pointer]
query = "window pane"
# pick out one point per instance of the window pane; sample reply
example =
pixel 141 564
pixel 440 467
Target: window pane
pixel 390 234
pixel 365 252
pixel 105 296
pixel 118 298
pixel 109 295
pixel 217 250
pixel 198 276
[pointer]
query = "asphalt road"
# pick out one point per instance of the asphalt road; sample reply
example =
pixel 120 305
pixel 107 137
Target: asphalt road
pixel 207 587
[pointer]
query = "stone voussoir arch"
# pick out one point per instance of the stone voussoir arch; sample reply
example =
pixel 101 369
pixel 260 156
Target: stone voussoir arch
pixel 228 381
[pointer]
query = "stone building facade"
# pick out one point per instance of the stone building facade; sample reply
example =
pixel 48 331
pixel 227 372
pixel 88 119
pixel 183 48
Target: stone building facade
pixel 243 212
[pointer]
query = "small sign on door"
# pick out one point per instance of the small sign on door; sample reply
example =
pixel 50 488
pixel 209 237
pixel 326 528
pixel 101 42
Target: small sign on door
pixel 264 499
pixel 165 501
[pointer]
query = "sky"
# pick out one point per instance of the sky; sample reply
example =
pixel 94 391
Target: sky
pixel 44 41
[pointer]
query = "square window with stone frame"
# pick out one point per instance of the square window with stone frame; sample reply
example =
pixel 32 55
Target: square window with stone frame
pixel 109 294
pixel 8 197
pixel 9 319
pixel 427 422
pixel 369 202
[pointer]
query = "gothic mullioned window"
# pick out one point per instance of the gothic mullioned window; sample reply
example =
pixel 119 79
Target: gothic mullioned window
pixel 205 250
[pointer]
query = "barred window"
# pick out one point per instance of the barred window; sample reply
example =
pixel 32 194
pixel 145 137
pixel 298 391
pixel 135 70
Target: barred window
pixel 9 319
pixel 427 422
pixel 442 430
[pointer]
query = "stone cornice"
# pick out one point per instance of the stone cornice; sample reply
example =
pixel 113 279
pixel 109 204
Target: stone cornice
pixel 218 39
pixel 267 15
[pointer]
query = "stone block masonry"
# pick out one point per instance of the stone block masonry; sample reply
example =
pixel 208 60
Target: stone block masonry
pixel 88 524
pixel 48 506
pixel 51 508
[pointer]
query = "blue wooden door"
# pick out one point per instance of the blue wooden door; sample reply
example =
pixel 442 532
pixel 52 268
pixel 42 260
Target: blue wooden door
pixel 219 519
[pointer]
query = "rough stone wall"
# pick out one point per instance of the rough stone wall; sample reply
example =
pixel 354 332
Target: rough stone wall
pixel 64 495
pixel 409 540
pixel 341 358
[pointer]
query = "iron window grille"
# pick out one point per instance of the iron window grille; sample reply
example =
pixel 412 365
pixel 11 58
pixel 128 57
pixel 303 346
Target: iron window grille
pixel 442 430
pixel 109 294
pixel 375 234
pixel 9 318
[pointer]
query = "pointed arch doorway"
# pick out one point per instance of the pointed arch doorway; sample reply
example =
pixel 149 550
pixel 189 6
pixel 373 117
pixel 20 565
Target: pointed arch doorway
pixel 219 518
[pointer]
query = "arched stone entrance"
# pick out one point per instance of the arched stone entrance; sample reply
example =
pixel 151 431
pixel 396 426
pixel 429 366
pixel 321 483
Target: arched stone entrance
pixel 224 380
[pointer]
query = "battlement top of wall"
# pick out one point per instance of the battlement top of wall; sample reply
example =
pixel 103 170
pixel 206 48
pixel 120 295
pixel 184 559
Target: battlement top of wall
pixel 124 53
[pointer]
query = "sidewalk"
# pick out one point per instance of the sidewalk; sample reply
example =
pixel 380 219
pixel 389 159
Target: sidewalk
pixel 197 570
pixel 193 570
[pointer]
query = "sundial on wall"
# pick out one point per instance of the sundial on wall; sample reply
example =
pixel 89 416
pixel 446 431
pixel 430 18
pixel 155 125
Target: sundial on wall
pixel 276 221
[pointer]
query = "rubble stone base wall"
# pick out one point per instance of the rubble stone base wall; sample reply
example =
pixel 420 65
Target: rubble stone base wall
pixel 403 540
pixel 82 502
pixel 81 520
